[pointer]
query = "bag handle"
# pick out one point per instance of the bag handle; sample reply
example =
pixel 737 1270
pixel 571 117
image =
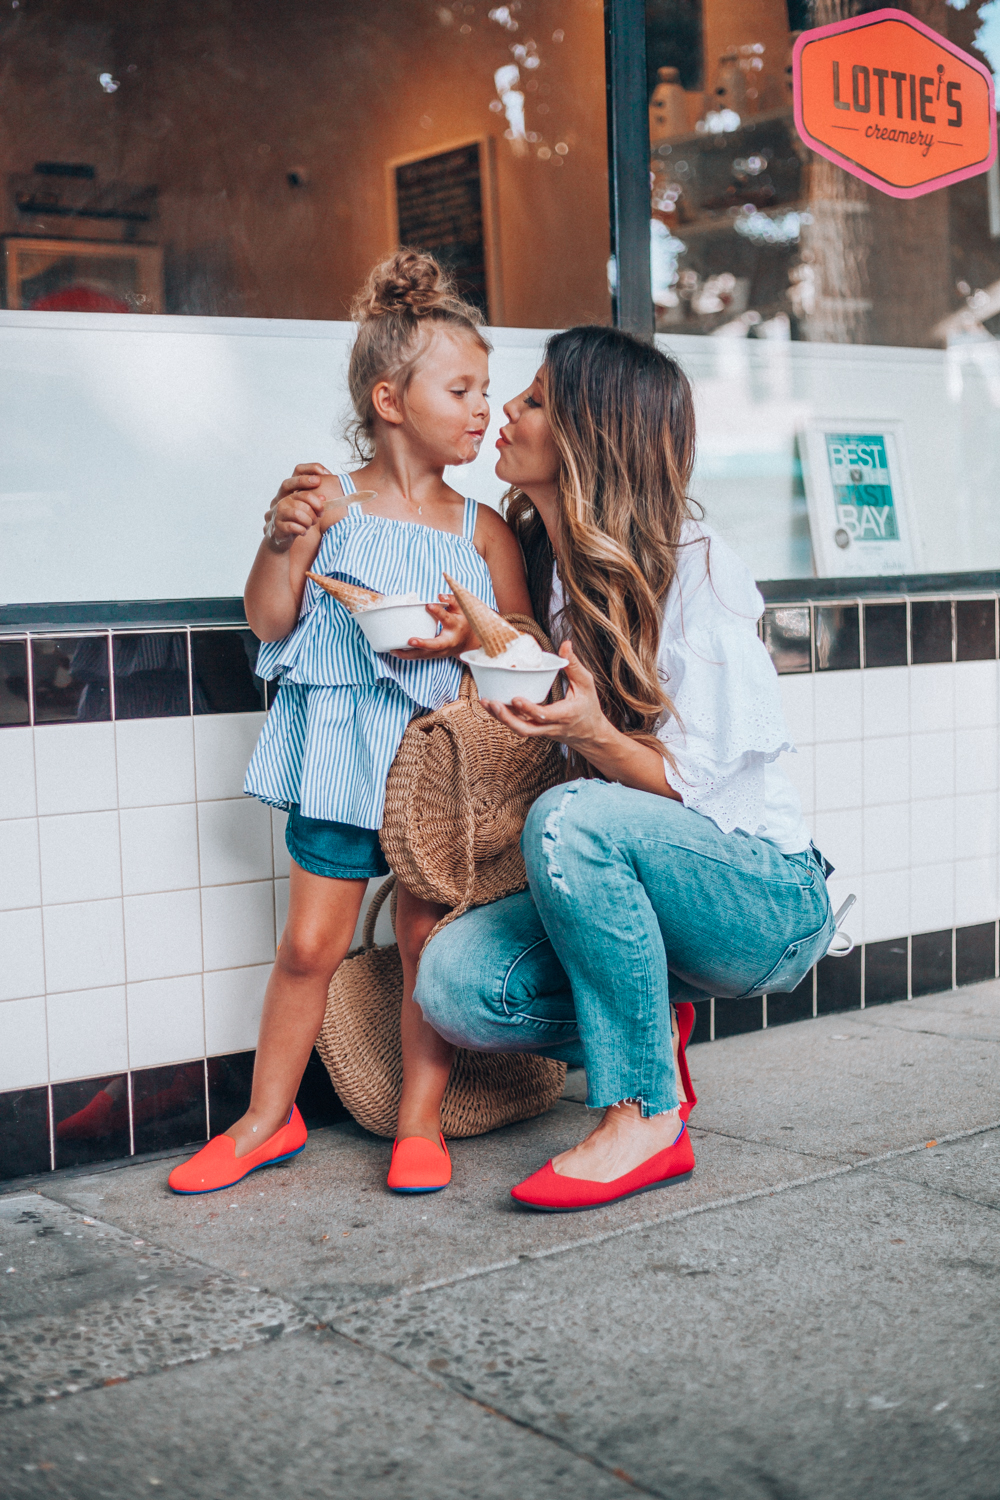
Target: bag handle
pixel 387 888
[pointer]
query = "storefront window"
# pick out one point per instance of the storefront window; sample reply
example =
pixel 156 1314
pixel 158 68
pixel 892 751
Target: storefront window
pixel 760 241
pixel 251 159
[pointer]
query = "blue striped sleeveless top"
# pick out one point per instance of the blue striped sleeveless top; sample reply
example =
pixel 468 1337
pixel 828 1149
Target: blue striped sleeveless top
pixel 341 710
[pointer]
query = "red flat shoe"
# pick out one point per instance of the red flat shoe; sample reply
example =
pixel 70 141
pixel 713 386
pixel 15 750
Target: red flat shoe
pixel 550 1193
pixel 418 1166
pixel 216 1165
pixel 685 1013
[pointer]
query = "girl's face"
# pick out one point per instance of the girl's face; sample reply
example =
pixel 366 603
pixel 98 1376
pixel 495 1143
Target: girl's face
pixel 529 457
pixel 445 406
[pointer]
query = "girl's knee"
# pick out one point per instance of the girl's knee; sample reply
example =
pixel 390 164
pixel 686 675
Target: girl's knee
pixel 306 953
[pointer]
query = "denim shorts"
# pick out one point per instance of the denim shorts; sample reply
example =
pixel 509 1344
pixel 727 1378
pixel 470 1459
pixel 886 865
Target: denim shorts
pixel 337 850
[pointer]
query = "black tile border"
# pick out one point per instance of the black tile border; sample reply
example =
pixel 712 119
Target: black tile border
pixel 215 676
pixel 896 969
pixel 118 614
pixel 805 635
pixel 816 625
pixel 787 590
pixel 161 1110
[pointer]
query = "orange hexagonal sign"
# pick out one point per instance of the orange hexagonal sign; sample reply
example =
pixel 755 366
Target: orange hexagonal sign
pixel 894 103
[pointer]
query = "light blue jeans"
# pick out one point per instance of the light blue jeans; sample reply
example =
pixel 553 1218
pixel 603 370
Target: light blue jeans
pixel 634 900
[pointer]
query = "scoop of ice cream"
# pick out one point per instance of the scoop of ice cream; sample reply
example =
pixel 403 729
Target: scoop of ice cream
pixel 523 654
pixel 385 600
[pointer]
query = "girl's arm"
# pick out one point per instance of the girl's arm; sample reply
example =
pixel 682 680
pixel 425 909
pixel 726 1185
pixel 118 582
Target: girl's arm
pixel 579 722
pixel 302 510
pixel 501 552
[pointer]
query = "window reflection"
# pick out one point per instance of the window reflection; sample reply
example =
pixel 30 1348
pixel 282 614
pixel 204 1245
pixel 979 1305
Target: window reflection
pixel 756 236
pixel 248 159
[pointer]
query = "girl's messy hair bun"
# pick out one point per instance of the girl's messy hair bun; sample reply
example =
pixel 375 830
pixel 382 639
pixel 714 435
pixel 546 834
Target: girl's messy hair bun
pixel 410 281
pixel 393 310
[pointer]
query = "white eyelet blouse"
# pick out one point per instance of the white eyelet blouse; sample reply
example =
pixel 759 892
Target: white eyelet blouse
pixel 729 728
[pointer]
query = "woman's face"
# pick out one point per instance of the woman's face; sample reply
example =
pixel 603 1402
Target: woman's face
pixel 529 457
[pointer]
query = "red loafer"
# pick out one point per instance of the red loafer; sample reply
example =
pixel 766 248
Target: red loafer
pixel 685 1013
pixel 550 1193
pixel 418 1166
pixel 216 1165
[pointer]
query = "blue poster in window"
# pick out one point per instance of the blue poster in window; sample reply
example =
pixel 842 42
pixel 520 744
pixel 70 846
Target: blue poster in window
pixel 857 492
pixel 862 487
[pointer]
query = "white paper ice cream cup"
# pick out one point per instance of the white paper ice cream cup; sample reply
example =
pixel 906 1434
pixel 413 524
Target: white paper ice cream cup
pixel 504 684
pixel 389 628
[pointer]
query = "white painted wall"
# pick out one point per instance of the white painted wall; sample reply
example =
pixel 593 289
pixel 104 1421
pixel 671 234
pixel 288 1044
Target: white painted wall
pixel 137 454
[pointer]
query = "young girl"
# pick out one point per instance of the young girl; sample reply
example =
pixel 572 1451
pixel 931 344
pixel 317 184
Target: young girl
pixel 418 380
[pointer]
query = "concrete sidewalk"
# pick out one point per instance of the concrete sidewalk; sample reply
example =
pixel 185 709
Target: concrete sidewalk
pixel 813 1316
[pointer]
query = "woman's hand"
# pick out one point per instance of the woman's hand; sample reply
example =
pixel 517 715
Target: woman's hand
pixel 577 720
pixel 454 637
pixel 579 723
pixel 296 508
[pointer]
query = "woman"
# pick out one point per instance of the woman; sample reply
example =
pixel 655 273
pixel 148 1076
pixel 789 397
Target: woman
pixel 675 864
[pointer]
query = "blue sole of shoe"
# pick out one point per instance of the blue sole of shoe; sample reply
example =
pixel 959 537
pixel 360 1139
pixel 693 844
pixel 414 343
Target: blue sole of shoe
pixel 438 1189
pixel 200 1192
pixel 545 1208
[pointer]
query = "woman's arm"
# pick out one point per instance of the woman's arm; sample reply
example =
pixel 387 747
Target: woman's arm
pixel 579 723
pixel 299 514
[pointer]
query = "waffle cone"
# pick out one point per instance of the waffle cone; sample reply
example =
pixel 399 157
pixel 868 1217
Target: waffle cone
pixel 492 630
pixel 349 594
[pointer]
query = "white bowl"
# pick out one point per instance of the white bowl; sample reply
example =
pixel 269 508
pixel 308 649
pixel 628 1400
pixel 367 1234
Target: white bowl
pixel 390 628
pixel 504 684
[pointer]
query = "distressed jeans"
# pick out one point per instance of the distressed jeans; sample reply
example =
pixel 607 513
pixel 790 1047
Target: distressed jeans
pixel 633 900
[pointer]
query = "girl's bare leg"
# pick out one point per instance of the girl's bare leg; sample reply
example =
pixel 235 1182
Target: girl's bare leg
pixel 322 916
pixel 427 1057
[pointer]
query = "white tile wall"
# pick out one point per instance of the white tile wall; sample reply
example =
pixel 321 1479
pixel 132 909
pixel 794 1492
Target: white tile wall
pixel 22 972
pixel 233 1001
pixel 159 848
pixel 75 768
pixel 166 1021
pixel 885 693
pixel 140 895
pixel 163 935
pixel 88 1033
pixel 235 841
pixel 155 761
pixel 239 924
pixel 24 1054
pixel 17 773
pixel 84 945
pixel 20 881
pixel 81 857
pixel 223 744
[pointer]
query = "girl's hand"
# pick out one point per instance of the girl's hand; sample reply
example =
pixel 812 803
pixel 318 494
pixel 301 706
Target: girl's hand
pixel 454 637
pixel 296 508
pixel 576 721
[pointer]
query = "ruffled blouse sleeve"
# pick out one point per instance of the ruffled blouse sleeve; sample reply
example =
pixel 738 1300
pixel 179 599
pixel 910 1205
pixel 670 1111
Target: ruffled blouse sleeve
pixel 728 722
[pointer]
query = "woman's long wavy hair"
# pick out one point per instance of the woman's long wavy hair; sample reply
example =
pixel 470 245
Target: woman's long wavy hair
pixel 622 418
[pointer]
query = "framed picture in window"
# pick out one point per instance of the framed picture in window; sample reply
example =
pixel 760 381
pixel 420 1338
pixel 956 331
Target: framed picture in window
pixel 443 201
pixel 858 494
pixel 50 275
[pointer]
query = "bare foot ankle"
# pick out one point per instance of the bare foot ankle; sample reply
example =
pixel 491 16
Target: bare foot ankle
pixel 409 1125
pixel 253 1129
pixel 620 1143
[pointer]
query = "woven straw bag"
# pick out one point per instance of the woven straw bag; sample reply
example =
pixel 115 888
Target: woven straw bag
pixel 457 795
pixel 359 1045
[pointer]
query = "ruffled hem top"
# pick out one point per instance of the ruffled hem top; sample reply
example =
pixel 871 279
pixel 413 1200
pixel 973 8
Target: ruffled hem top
pixel 342 708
